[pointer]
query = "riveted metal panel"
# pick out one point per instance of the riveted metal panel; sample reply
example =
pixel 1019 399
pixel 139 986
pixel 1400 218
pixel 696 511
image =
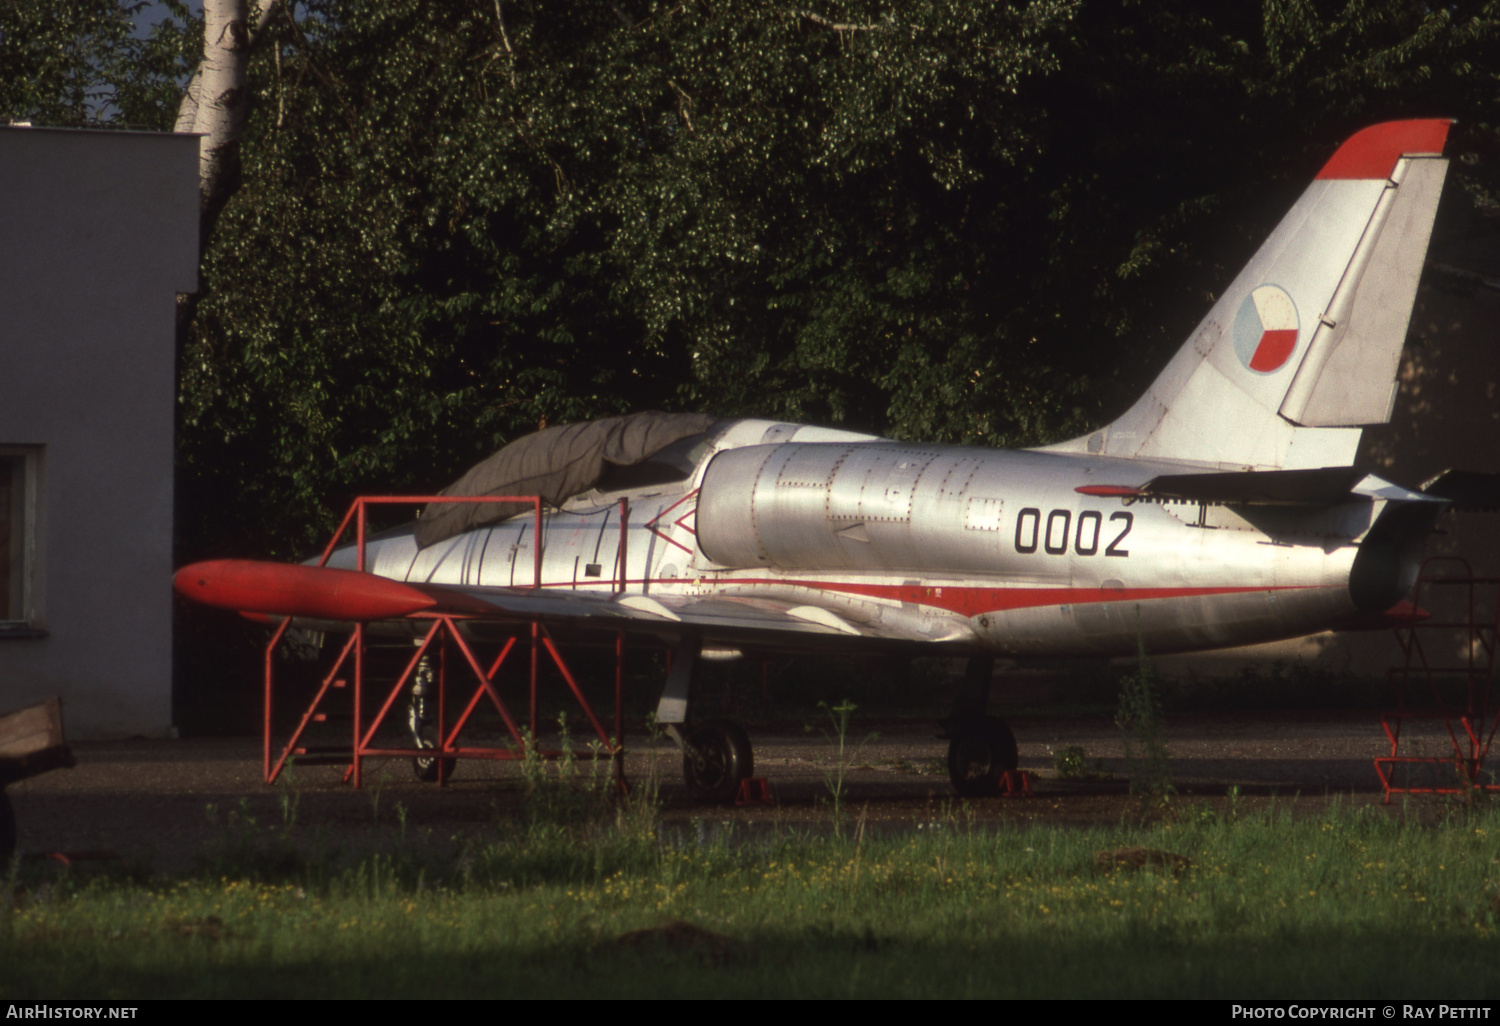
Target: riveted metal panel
pixel 867 506
pixel 807 466
pixel 982 514
pixel 726 504
pixel 890 475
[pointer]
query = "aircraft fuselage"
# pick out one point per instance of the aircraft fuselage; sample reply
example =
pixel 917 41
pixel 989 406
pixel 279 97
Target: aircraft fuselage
pixel 970 550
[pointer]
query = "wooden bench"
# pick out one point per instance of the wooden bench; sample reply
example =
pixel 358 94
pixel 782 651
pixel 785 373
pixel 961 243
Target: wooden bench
pixel 31 743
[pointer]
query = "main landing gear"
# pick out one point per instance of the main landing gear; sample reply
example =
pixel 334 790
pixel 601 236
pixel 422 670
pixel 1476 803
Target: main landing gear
pixel 715 758
pixel 981 749
pixel 980 753
pixel 716 754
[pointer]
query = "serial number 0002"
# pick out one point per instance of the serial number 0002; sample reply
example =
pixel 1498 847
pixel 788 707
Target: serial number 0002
pixel 1055 534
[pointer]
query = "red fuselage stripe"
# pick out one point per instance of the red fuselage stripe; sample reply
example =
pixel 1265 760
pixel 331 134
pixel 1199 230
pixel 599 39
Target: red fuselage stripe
pixel 971 601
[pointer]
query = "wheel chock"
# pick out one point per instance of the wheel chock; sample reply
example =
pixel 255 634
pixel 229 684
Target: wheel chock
pixel 1015 784
pixel 754 791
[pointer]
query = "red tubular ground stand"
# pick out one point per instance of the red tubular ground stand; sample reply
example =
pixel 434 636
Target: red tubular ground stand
pixel 454 654
pixel 1459 641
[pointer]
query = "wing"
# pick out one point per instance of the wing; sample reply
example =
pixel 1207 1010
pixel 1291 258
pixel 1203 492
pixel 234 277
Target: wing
pixel 327 596
pixel 730 619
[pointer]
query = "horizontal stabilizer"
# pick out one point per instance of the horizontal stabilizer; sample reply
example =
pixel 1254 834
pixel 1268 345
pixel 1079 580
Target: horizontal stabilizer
pixel 1468 490
pixel 1321 487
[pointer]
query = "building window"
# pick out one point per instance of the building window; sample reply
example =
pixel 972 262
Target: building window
pixel 18 475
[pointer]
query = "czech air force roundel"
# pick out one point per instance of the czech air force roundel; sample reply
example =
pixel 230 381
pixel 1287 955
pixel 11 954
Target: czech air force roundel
pixel 1265 329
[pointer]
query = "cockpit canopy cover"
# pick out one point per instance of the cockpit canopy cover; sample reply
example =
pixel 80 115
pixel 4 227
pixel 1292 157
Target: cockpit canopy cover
pixel 555 463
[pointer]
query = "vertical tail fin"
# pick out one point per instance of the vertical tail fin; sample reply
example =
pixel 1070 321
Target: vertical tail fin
pixel 1304 346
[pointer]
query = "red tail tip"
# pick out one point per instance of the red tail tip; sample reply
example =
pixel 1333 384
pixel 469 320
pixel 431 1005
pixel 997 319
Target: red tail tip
pixel 1373 152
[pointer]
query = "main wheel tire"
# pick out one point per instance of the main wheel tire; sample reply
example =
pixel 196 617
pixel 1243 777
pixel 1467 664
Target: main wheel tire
pixel 981 752
pixel 7 833
pixel 718 757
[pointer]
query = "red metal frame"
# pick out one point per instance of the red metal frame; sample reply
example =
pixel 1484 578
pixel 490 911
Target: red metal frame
pixel 442 634
pixel 1471 731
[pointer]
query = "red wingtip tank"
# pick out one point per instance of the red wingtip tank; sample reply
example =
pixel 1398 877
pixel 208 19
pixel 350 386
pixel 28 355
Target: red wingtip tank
pixel 276 589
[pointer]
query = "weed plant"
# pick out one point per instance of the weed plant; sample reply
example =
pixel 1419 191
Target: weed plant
pixel 1071 762
pixel 844 755
pixel 569 802
pixel 558 792
pixel 1353 904
pixel 1147 759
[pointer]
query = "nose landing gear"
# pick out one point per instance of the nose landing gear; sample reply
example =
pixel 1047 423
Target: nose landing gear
pixel 421 720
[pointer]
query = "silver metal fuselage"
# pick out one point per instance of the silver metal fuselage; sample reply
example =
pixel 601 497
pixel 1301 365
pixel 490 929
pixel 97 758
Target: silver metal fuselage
pixel 945 547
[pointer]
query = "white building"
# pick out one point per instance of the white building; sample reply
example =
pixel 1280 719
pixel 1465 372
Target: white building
pixel 98 235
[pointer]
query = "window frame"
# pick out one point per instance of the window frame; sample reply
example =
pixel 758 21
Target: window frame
pixel 21 619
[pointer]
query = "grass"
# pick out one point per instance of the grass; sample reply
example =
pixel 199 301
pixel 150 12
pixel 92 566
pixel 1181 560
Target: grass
pixel 1351 904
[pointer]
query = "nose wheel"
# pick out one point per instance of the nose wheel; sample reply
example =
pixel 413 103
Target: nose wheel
pixel 715 758
pixel 421 720
pixel 982 750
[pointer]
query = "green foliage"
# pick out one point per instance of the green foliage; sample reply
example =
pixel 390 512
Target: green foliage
pixel 1072 763
pixel 244 849
pixel 91 64
pixel 974 223
pixel 559 794
pixel 464 234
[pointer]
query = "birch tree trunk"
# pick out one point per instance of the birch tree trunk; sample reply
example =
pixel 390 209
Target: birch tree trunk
pixel 217 101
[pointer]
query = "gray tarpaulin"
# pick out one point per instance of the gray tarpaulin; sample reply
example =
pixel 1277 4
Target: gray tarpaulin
pixel 556 463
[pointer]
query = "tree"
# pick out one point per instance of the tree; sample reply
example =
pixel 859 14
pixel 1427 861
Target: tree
pixel 459 248
pixel 81 63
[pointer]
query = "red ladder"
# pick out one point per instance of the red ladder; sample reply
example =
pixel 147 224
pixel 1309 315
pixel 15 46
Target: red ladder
pixel 443 641
pixel 1466 621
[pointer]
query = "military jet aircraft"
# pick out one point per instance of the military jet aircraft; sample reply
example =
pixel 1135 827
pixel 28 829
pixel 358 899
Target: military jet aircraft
pixel 1222 509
